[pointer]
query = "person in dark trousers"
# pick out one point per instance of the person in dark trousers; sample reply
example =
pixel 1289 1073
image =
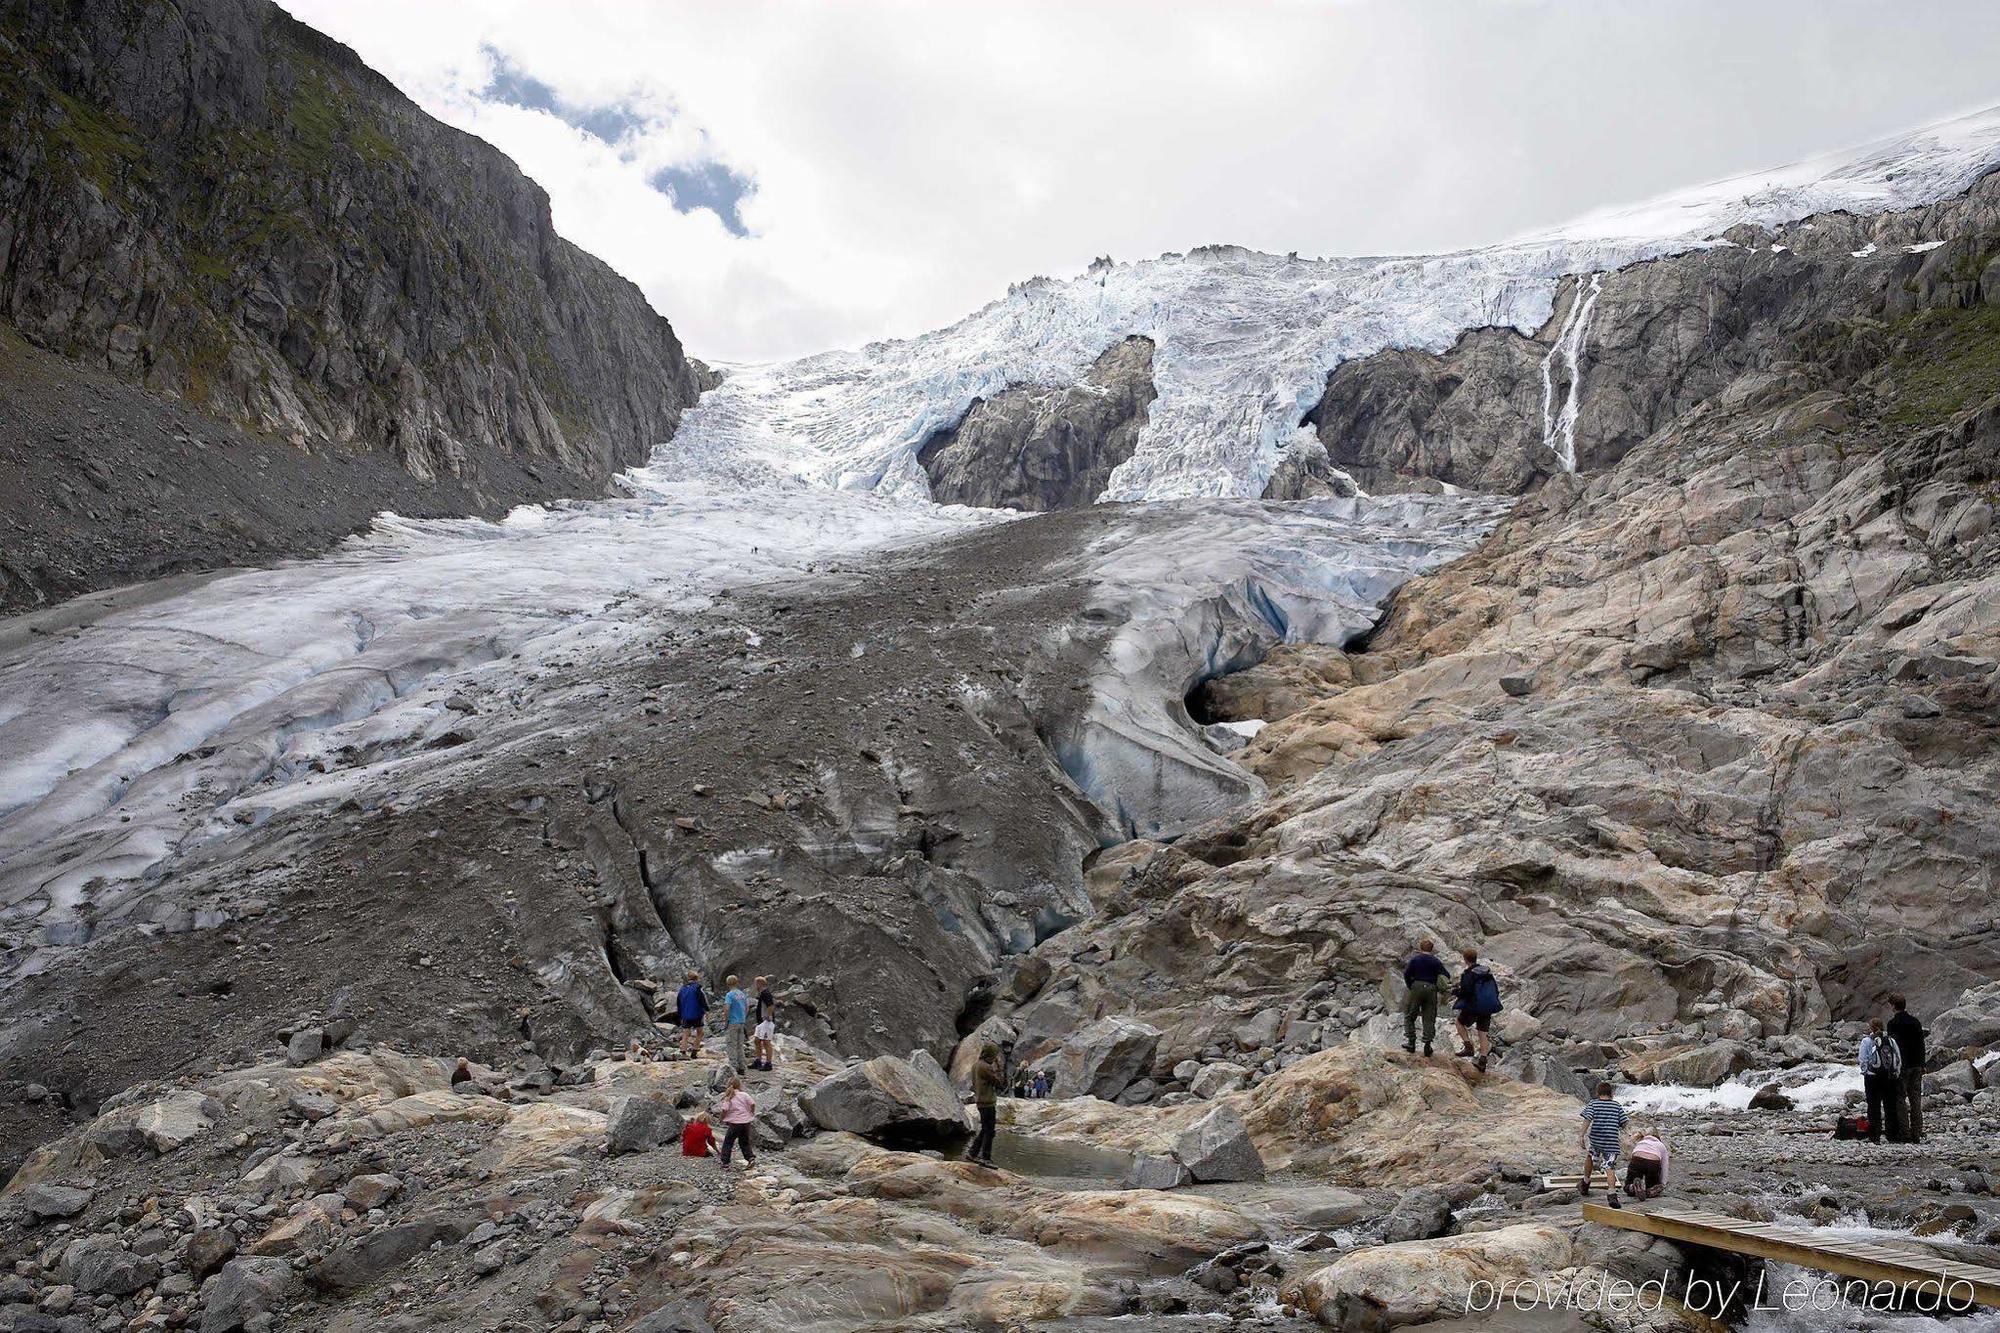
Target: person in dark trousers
pixel 988 1078
pixel 1908 1034
pixel 1424 976
pixel 767 1026
pixel 690 1010
pixel 739 1113
pixel 1477 1001
pixel 1882 1083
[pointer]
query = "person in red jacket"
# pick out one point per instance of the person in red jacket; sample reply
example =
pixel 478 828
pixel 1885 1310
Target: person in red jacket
pixel 697 1139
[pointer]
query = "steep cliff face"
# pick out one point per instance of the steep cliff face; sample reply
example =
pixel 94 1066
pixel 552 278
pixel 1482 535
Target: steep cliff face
pixel 1503 412
pixel 1039 449
pixel 209 199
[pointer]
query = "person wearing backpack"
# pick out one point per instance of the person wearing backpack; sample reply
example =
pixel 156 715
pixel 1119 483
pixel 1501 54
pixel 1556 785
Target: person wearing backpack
pixel 1882 1083
pixel 1478 1000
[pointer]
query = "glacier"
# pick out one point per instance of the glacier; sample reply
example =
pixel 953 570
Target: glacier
pixel 141 727
pixel 1243 341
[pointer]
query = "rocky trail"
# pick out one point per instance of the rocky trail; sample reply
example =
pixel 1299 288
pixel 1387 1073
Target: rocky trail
pixel 1623 600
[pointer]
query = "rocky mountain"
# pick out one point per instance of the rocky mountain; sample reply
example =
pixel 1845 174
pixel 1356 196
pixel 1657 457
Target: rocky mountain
pixel 213 202
pixel 340 901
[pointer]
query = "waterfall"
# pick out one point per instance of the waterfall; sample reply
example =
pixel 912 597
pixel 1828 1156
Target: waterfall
pixel 1559 428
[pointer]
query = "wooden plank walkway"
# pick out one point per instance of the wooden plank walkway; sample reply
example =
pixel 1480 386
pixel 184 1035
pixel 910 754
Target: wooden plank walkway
pixel 1870 1261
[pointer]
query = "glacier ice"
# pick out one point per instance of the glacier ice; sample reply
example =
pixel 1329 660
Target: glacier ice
pixel 134 737
pixel 1244 341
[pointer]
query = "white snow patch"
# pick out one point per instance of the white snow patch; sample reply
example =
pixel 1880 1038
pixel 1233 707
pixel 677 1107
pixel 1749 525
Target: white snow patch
pixel 1922 247
pixel 1863 252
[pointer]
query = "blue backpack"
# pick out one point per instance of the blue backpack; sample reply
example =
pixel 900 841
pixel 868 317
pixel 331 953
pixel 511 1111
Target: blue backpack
pixel 1485 994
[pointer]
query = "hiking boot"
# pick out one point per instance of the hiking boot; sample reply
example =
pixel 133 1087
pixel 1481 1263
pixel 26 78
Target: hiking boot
pixel 1410 1046
pixel 1480 1064
pixel 1427 1048
pixel 1613 1197
pixel 1466 1053
pixel 1583 1189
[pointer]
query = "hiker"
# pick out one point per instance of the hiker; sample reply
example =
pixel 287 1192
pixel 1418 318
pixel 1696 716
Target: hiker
pixel 1646 1166
pixel 735 1021
pixel 738 1112
pixel 986 1085
pixel 697 1139
pixel 1043 1083
pixel 1423 977
pixel 1882 1083
pixel 1603 1135
pixel 691 1009
pixel 1478 1000
pixel 767 1026
pixel 1908 1034
pixel 1009 1071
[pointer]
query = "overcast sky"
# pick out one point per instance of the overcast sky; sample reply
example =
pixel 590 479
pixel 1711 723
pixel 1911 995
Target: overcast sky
pixel 784 178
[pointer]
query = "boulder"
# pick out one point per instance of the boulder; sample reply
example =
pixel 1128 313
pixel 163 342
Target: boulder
pixel 208 1250
pixel 371 1191
pixel 162 1125
pixel 244 1290
pixel 1973 1021
pixel 1259 1030
pixel 1770 1097
pixel 1959 1077
pixel 101 1266
pixel 1216 1079
pixel 304 1046
pixel 1419 1215
pixel 1156 1173
pixel 902 1098
pixel 1705 1065
pixel 374 1255
pixel 641 1124
pixel 1386 1286
pixel 41 1201
pixel 1217 1147
pixel 1103 1058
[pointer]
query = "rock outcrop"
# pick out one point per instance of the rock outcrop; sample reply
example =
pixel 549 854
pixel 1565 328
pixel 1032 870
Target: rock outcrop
pixel 1038 449
pixel 217 203
pixel 1627 352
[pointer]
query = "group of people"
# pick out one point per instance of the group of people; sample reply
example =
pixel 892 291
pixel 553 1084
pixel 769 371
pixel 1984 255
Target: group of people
pixel 1892 1075
pixel 692 1009
pixel 1475 1001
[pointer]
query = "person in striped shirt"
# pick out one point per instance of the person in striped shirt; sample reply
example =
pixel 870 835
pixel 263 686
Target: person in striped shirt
pixel 1603 1135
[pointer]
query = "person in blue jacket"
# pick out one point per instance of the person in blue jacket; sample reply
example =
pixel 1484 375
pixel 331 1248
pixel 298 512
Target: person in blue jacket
pixel 1478 1000
pixel 690 1011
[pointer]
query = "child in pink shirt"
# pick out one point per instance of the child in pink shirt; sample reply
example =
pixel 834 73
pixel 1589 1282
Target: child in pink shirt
pixel 737 1112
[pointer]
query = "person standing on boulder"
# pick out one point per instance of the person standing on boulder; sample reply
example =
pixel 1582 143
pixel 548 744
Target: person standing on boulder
pixel 735 1022
pixel 767 1026
pixel 738 1113
pixel 988 1077
pixel 690 1011
pixel 1908 1034
pixel 1882 1083
pixel 1478 1000
pixel 1424 976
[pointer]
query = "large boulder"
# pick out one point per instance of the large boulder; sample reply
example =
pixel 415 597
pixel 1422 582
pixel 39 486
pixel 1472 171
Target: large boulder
pixel 101 1266
pixel 641 1124
pixel 1375 1117
pixel 1217 1147
pixel 243 1290
pixel 1698 1066
pixel 909 1099
pixel 1386 1286
pixel 1973 1021
pixel 1419 1215
pixel 1103 1058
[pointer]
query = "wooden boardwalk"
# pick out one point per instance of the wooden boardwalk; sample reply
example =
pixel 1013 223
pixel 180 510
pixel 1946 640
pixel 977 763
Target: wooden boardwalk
pixel 1870 1261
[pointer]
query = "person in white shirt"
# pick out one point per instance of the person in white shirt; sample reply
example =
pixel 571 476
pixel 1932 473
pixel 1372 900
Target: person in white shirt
pixel 1646 1166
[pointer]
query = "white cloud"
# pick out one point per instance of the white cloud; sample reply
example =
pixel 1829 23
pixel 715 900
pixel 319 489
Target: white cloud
pixel 910 160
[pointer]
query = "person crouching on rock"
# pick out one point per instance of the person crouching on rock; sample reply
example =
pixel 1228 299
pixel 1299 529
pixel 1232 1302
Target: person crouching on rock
pixel 767 1026
pixel 697 1139
pixel 1646 1166
pixel 1603 1136
pixel 690 1009
pixel 1424 977
pixel 987 1078
pixel 1478 1000
pixel 738 1113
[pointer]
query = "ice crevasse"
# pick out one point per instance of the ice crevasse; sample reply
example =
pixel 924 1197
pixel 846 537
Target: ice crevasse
pixel 1244 341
